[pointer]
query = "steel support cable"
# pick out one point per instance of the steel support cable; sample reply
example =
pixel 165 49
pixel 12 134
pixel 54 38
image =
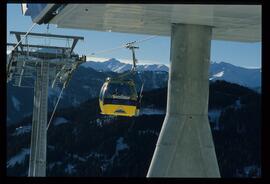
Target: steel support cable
pixel 103 51
pixel 24 36
pixel 122 46
pixel 64 85
pixel 55 107
pixel 143 40
pixel 22 39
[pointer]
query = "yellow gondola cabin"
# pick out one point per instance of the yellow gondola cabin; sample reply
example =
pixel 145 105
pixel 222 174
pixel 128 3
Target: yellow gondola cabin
pixel 119 98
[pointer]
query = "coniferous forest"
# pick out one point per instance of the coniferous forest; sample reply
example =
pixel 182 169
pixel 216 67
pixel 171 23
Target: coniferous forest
pixel 81 142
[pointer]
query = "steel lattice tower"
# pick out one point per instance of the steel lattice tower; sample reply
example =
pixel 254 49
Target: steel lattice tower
pixel 45 68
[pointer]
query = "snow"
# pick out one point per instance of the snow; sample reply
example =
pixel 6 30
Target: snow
pixel 145 66
pixel 119 67
pixel 104 166
pixel 95 154
pixel 70 169
pixel 19 158
pixel 122 68
pixel 22 130
pixel 105 120
pixel 153 67
pixel 249 171
pixel 16 103
pixel 51 147
pixel 143 132
pixel 79 158
pixel 106 162
pixel 51 165
pixel 237 104
pixel 120 145
pixel 59 121
pixel 159 66
pixel 53 92
pixel 99 122
pixel 75 102
pixel 235 74
pixel 214 115
pixel 151 111
pixel 219 74
pixel 86 87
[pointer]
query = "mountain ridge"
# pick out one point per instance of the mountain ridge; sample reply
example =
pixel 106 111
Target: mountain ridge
pixel 86 83
pixel 248 77
pixel 117 66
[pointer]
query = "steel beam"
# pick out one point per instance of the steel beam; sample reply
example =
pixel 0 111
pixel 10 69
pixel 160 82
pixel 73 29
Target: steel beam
pixel 37 46
pixel 47 35
pixel 38 148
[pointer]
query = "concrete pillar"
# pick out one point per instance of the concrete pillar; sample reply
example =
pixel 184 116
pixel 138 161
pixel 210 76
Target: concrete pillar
pixel 185 146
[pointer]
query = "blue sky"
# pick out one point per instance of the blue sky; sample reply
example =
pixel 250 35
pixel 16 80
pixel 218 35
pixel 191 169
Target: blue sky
pixel 156 50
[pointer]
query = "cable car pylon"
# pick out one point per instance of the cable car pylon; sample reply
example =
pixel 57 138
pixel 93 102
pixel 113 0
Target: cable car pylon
pixel 41 65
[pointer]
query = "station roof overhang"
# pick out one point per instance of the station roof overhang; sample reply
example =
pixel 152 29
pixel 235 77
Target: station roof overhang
pixel 229 22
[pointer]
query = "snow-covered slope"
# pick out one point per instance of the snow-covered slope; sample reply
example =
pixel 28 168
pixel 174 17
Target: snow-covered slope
pixel 244 76
pixel 218 71
pixel 119 67
pixel 19 158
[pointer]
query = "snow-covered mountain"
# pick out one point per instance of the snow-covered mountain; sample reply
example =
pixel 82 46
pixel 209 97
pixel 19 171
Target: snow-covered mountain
pixel 119 67
pixel 244 76
pixel 88 79
pixel 218 71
